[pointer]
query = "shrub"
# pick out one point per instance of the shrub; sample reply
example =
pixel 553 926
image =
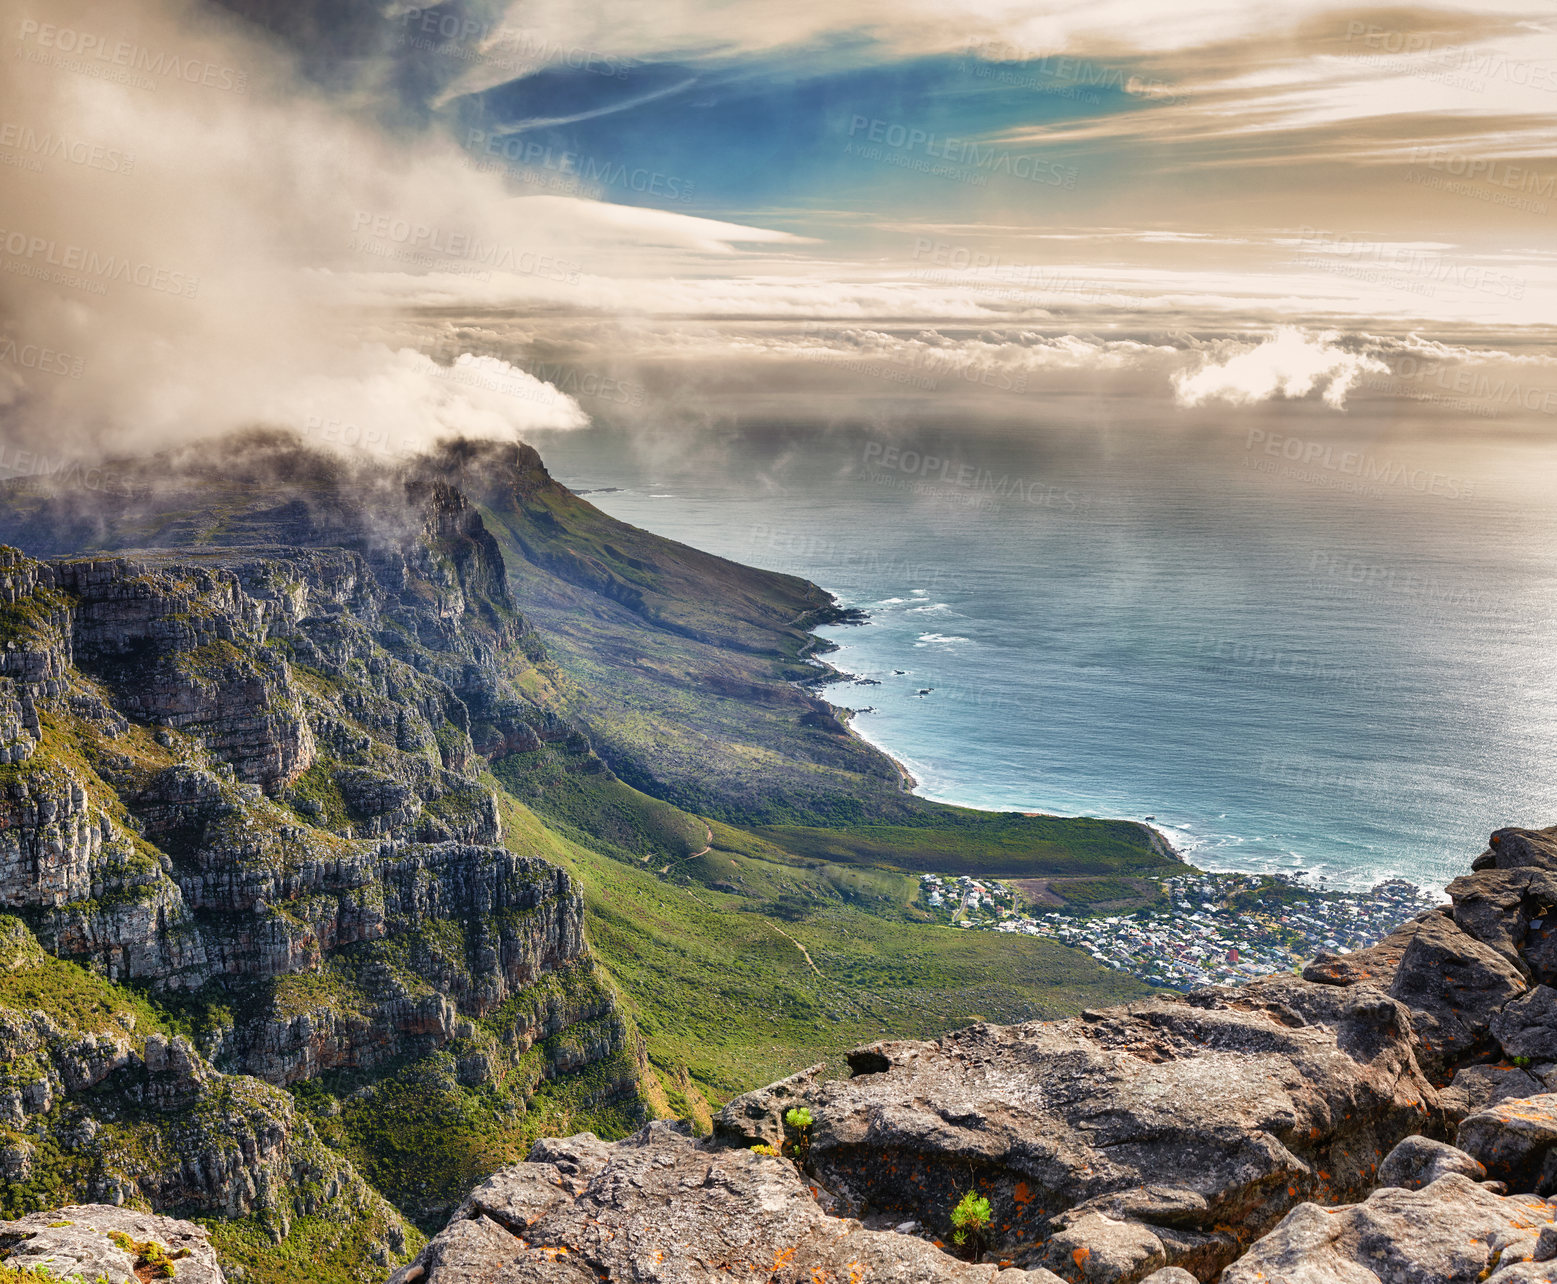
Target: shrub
pixel 971 1222
pixel 799 1118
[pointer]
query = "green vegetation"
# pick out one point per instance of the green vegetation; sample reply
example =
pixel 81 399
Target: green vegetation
pixel 10 1275
pixel 592 807
pixel 423 1136
pixel 959 840
pixel 970 1220
pixel 76 998
pixel 320 1249
pixel 798 1119
pixel 749 870
pixel 729 998
pixel 149 1256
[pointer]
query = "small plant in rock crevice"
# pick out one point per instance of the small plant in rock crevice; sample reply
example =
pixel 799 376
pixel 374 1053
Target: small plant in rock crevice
pixel 970 1222
pixel 799 1119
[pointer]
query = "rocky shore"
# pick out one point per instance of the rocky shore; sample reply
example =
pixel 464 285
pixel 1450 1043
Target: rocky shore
pixel 1388 1116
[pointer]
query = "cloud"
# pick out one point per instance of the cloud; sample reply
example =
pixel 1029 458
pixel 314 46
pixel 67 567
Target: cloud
pixel 1288 364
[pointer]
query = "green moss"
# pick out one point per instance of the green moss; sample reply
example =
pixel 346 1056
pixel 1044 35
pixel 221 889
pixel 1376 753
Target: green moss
pixel 10 1275
pixel 149 1256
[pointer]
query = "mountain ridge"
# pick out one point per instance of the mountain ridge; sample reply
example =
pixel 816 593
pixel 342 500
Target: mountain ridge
pixel 312 808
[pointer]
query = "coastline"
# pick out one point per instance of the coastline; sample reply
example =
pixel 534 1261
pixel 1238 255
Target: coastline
pixel 830 675
pixel 1208 853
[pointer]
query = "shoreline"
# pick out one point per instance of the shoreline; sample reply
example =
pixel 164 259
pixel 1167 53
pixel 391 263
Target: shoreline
pixel 1183 843
pixel 830 675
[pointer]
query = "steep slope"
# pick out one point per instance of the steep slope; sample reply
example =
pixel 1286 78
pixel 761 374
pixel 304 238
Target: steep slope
pixel 295 773
pixel 688 672
pixel 692 672
pixel 246 782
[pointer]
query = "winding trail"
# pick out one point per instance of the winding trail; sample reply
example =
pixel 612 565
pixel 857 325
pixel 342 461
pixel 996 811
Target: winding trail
pixel 703 852
pixel 798 946
pixel 810 962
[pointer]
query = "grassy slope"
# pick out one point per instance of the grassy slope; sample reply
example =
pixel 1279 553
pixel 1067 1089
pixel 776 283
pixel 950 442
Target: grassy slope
pixel 775 948
pixel 990 844
pixel 719 986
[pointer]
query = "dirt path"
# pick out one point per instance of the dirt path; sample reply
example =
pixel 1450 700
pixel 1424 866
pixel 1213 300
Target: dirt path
pixel 693 856
pixel 798 946
pixel 805 953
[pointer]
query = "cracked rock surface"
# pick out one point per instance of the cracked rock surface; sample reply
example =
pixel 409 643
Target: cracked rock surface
pixel 659 1206
pixel 75 1243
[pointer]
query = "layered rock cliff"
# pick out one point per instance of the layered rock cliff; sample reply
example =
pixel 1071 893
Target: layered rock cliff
pixel 1297 1129
pixel 247 782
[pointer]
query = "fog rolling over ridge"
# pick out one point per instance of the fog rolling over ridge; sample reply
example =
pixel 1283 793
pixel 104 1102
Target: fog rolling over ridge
pixel 988 567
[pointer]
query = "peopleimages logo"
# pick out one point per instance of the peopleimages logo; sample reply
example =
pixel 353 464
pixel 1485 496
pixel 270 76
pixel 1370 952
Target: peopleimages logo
pixel 46 260
pixel 32 356
pixel 393 237
pixel 1487 169
pixel 1358 464
pixel 58 471
pixel 591 170
pixel 927 470
pixel 23 138
pixel 435 30
pixel 960 151
pixel 1410 267
pixel 132 57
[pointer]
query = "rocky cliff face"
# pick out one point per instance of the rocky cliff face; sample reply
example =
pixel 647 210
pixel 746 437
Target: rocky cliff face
pixel 249 781
pixel 1297 1129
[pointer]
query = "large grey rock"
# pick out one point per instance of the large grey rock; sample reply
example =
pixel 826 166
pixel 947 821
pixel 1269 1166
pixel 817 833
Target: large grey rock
pixel 1541 1272
pixel 1497 906
pixel 1477 1087
pixel 665 1209
pixel 1420 1161
pixel 758 1115
pixel 1453 984
pixel 1185 1118
pixel 1527 1027
pixel 1452 1232
pixel 1515 1140
pixel 1090 1245
pixel 74 1243
pixel 558 1170
pixel 1514 848
pixel 1374 966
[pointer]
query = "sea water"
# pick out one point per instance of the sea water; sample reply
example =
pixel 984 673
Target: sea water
pixel 1284 671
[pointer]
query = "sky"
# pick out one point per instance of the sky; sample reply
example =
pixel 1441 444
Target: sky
pixel 377 224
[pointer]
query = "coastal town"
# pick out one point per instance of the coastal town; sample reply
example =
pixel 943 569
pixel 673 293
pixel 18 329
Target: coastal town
pixel 1197 929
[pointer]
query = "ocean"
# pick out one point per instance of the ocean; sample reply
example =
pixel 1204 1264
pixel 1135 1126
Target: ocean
pixel 1342 665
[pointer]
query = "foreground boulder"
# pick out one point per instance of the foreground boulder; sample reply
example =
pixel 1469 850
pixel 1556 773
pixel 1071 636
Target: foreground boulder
pixel 1420 1161
pixel 1517 1141
pixel 1453 983
pixel 1477 1087
pixel 1292 1130
pixel 660 1207
pixel 98 1242
pixel 1166 1133
pixel 1451 1232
